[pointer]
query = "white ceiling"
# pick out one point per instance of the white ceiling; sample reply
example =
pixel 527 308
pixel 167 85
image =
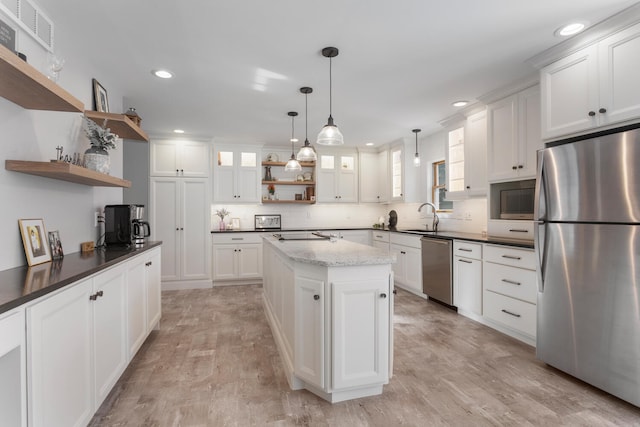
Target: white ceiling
pixel 400 66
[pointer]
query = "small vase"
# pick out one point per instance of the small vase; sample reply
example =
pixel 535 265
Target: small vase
pixel 97 159
pixel 222 225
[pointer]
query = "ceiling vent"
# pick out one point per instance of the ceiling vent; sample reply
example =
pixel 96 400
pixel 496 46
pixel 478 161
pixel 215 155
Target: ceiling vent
pixel 31 19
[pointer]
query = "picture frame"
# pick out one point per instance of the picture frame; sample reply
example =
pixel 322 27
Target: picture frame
pixel 35 241
pixel 266 222
pixel 235 223
pixel 100 98
pixel 55 245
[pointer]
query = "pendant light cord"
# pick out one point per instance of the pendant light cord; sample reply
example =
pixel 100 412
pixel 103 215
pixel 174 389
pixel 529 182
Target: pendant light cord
pixel 306 118
pixel 330 88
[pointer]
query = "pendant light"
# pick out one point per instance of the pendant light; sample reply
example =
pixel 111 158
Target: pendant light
pixel 416 159
pixel 330 134
pixel 306 153
pixel 292 165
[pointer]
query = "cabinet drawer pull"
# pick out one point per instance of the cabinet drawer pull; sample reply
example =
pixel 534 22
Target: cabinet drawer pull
pixel 403 252
pixel 512 257
pixel 518 230
pixel 465 261
pixel 511 282
pixel 383 295
pixel 510 313
pixel 602 110
pixel 237 238
pixel 378 236
pixel 514 167
pixel 465 250
pixel 592 113
pixel 316 297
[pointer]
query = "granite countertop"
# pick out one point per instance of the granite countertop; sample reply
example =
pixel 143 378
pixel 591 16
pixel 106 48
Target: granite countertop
pixel 340 253
pixel 23 284
pixel 474 237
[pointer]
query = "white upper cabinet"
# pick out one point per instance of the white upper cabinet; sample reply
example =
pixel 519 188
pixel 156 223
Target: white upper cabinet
pixel 374 171
pixel 179 158
pixel 236 174
pixel 594 87
pixel 514 135
pixel 337 176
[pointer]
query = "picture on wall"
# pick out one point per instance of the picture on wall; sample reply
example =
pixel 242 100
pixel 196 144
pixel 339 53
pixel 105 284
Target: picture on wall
pixel 34 240
pixel 100 99
pixel 55 245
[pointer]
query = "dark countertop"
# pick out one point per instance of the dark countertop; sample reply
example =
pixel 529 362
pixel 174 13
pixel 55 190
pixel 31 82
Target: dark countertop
pixel 473 237
pixel 23 284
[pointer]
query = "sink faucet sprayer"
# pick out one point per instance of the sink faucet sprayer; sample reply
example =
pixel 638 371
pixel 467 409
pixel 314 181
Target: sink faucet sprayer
pixel 436 220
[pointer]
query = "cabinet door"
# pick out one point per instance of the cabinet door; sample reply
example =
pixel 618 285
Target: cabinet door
pixel 153 288
pixel 13 371
pixel 400 266
pixel 194 158
pixel 164 158
pixel 619 64
pixel 502 136
pixel 136 305
pixel 454 160
pixel 413 268
pixel 224 262
pixel 59 331
pixel 369 178
pixel 529 138
pixel 248 177
pixel 348 179
pixel 360 347
pixel 467 285
pixel 309 331
pixel 396 173
pixel 195 228
pixel 165 224
pixel 569 92
pixel 109 331
pixel 327 179
pixel 224 185
pixel 476 155
pixel 249 261
pixel 384 187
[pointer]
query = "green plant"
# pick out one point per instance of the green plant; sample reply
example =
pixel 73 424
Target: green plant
pixel 100 136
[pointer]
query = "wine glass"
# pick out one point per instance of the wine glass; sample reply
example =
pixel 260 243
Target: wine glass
pixel 55 63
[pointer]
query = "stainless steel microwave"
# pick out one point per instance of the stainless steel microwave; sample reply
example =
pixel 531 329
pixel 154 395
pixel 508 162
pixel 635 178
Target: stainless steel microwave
pixel 513 200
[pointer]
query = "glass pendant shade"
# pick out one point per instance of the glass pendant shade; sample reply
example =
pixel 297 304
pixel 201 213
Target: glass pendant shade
pixel 292 165
pixel 330 134
pixel 307 153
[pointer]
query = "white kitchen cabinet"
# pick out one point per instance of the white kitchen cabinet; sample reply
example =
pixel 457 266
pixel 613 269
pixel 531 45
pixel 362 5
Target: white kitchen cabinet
pixel 180 218
pixel 403 176
pixel 337 177
pixel 514 135
pixel 380 239
pixel 475 165
pixel 407 270
pixel 179 158
pixel 593 87
pixel 360 348
pixel 13 387
pixel 374 177
pixel 237 257
pixel 310 333
pixel 143 298
pixel 467 278
pixel 236 174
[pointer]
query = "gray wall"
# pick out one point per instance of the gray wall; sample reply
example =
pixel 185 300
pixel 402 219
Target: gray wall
pixel 135 164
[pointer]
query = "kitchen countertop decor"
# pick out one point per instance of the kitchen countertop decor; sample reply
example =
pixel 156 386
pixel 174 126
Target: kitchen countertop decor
pixel 23 284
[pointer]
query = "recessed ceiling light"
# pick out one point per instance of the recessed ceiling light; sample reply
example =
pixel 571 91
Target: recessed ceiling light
pixel 178 131
pixel 163 74
pixel 460 103
pixel 570 29
pixel 369 144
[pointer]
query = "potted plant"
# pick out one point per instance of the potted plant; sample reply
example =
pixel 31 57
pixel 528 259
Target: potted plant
pixel 222 213
pixel 272 191
pixel 101 139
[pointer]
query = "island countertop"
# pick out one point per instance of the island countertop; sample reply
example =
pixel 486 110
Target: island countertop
pixel 340 253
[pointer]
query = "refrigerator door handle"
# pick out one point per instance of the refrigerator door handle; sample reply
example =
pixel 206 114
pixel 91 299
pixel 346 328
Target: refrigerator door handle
pixel 539 207
pixel 539 245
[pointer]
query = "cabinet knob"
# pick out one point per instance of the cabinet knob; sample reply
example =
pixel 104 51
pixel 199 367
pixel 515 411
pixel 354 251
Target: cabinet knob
pixel 592 113
pixel 99 293
pixel 177 171
pixel 177 229
pixel 239 250
pixel 403 252
pixel 520 166
pixel 93 297
pixel 148 263
pixel 602 110
pixel 395 292
pixel 182 171
pixel 514 167
pixel 468 187
pixel 181 229
pixel 383 295
pixel 316 297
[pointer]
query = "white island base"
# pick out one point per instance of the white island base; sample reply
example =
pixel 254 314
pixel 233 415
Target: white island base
pixel 330 307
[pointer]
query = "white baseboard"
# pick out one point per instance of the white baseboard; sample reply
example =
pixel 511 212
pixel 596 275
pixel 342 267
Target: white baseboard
pixel 186 284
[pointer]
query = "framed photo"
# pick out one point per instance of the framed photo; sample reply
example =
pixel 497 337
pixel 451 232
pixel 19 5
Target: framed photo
pixel 55 245
pixel 235 223
pixel 266 222
pixel 34 240
pixel 100 99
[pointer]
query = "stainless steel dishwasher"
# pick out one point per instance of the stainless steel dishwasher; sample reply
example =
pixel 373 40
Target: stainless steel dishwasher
pixel 437 274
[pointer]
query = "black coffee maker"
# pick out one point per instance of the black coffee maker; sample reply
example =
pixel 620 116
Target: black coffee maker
pixel 124 225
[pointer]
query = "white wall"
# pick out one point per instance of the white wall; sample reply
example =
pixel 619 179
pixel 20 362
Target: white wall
pixel 34 135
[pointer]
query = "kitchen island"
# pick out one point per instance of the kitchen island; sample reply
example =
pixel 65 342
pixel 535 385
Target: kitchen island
pixel 330 308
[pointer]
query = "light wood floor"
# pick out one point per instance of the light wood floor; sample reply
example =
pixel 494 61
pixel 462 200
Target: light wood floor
pixel 214 363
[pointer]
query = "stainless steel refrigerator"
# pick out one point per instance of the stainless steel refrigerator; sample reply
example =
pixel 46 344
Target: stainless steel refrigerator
pixel 587 240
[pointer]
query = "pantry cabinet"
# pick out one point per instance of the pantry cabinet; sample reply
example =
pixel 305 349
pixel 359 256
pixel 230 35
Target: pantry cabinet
pixel 236 174
pixel 237 257
pixel 337 177
pixel 179 158
pixel 514 135
pixel 592 88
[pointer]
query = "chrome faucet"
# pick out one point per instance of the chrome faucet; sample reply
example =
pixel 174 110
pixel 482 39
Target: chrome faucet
pixel 436 220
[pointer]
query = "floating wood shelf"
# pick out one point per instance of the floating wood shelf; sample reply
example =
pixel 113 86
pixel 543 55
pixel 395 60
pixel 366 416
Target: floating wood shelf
pixel 304 202
pixel 66 172
pixel 22 84
pixel 289 182
pixel 119 124
pixel 303 164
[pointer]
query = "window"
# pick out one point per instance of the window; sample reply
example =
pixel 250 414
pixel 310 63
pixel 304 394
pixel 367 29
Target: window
pixel 438 191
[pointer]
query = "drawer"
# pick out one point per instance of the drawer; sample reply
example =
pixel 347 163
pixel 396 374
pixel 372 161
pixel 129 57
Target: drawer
pixel 512 313
pixel 511 281
pixel 507 255
pixel 236 238
pixel 380 236
pixel 467 249
pixel 520 230
pixel 405 240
